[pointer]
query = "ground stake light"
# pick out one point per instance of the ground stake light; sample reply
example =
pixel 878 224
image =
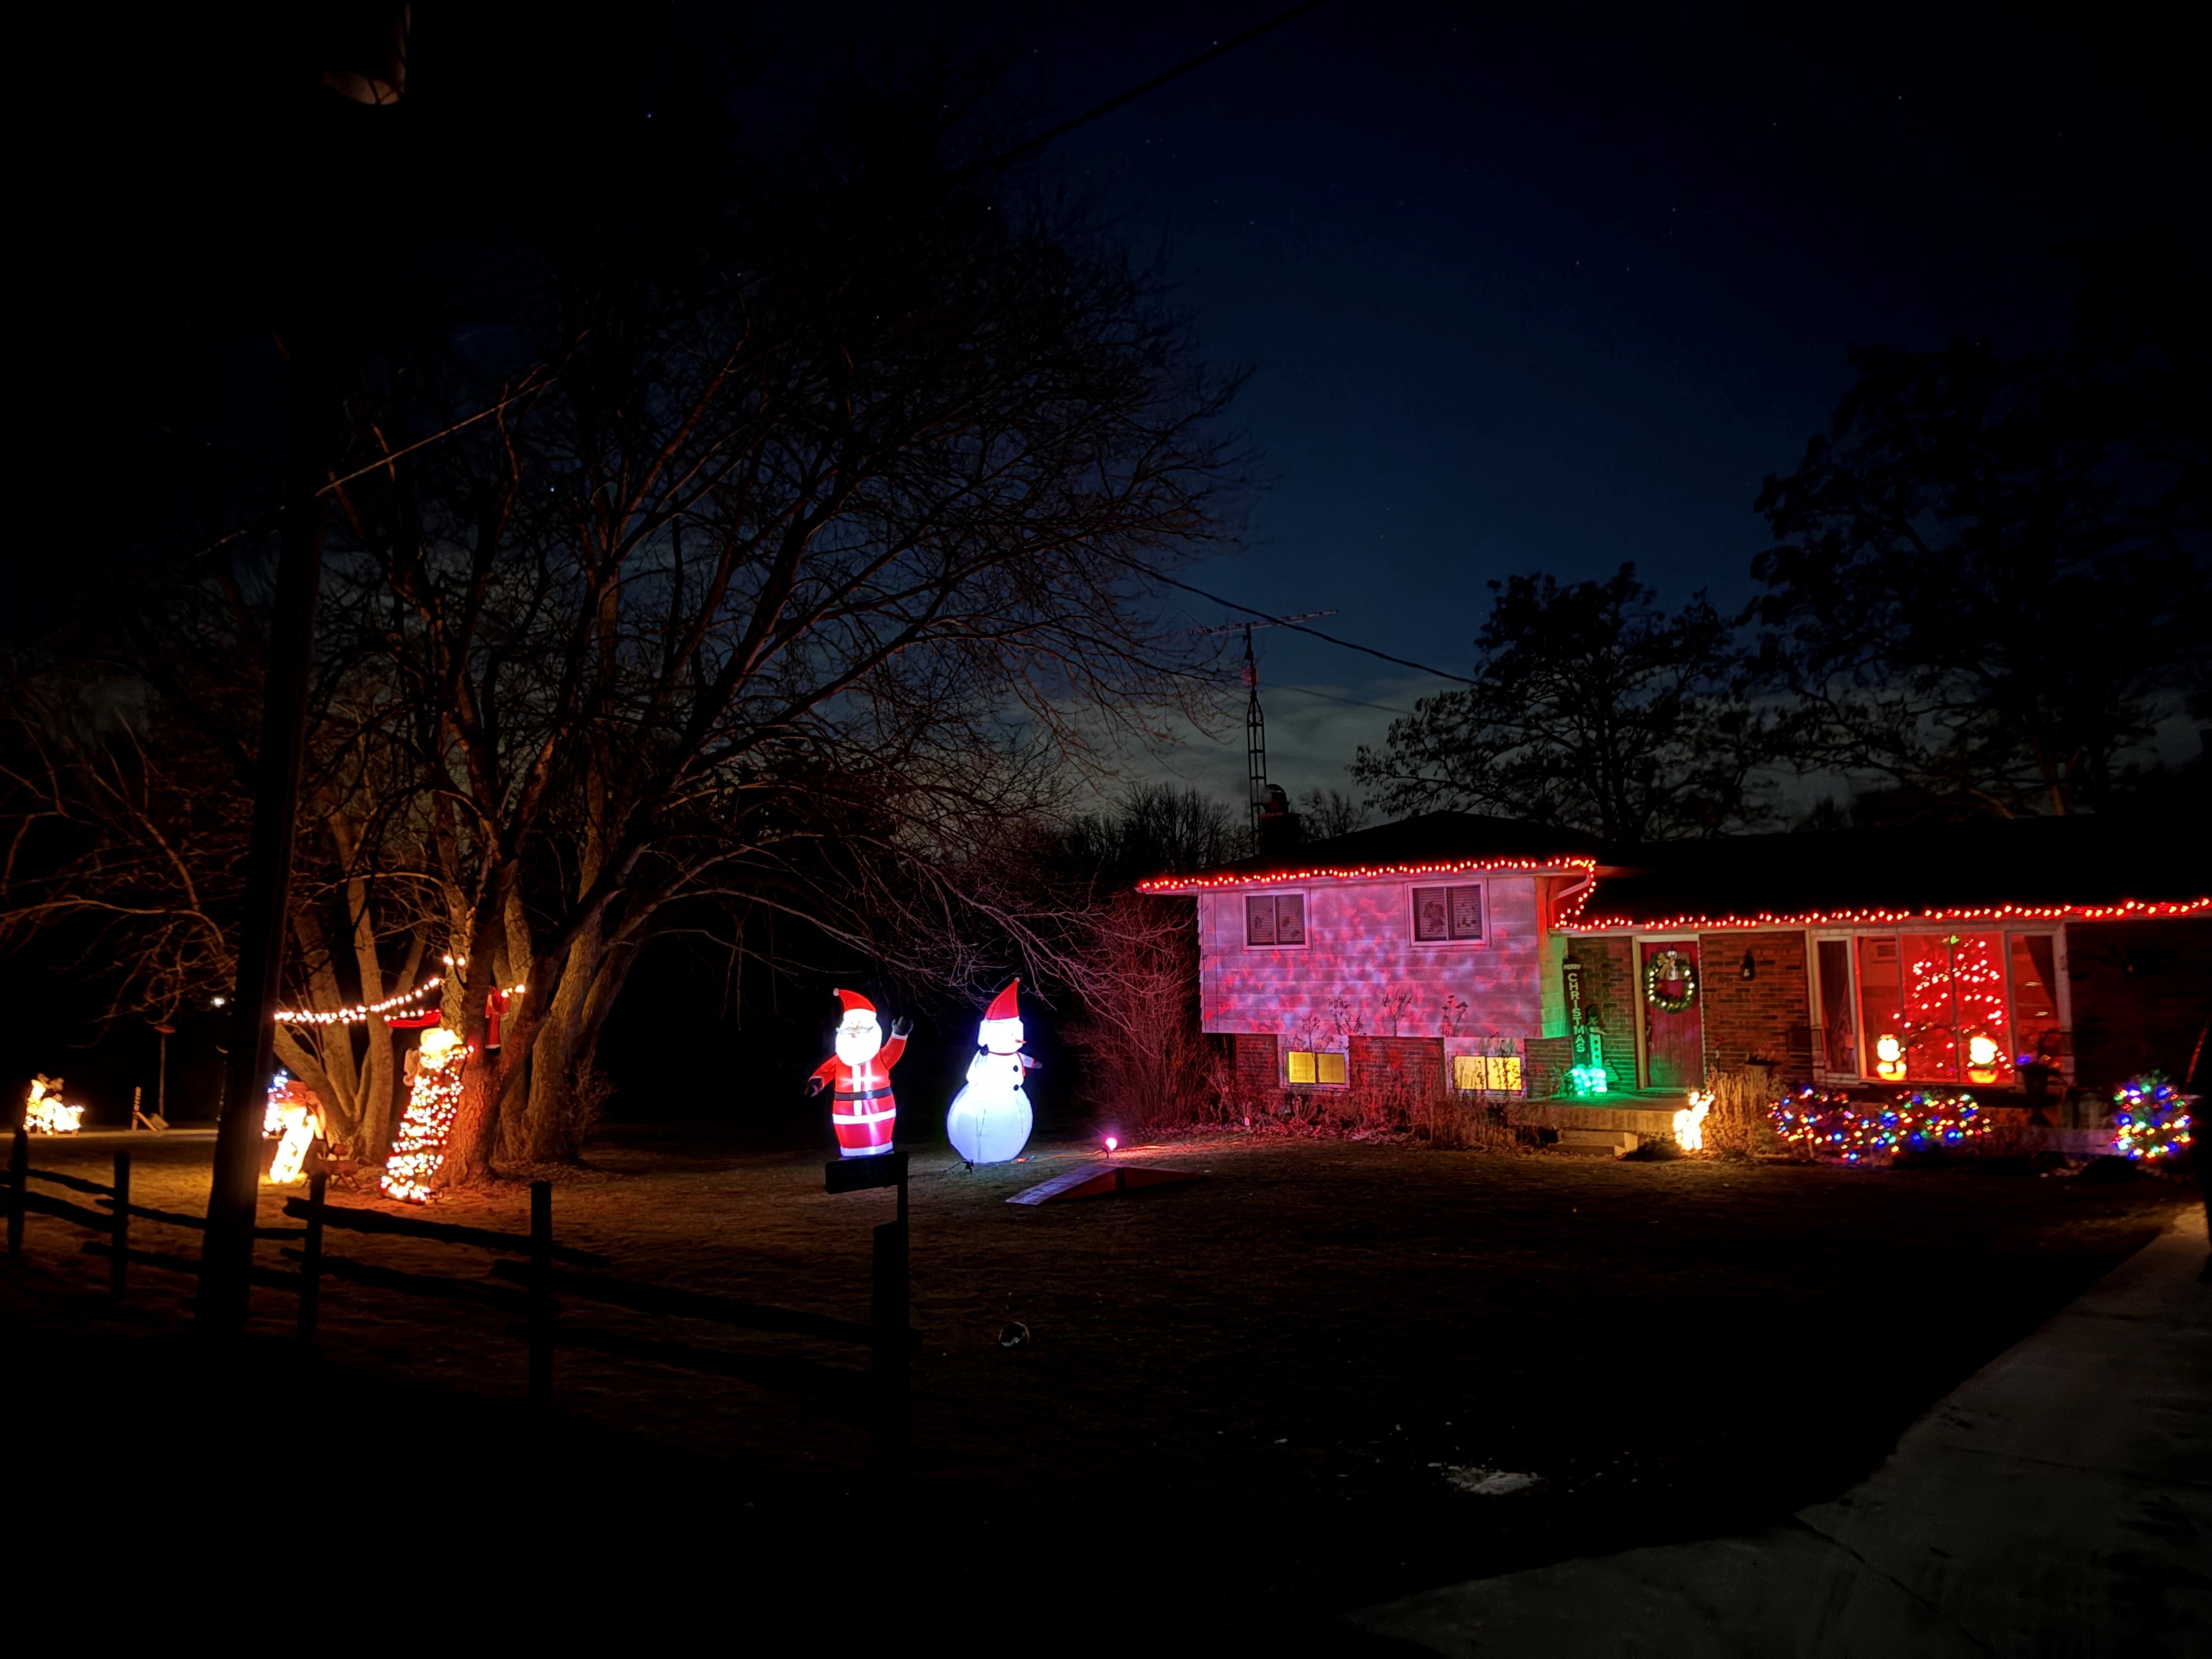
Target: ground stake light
pixel 990 1120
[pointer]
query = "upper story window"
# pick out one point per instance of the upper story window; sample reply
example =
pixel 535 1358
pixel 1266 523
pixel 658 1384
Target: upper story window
pixel 1274 918
pixel 1444 913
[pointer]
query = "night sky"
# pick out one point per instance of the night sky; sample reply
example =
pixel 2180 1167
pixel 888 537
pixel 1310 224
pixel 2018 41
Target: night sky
pixel 1546 293
pixel 1557 292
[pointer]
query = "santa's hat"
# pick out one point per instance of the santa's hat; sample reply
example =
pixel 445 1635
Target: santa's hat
pixel 855 1003
pixel 1003 1005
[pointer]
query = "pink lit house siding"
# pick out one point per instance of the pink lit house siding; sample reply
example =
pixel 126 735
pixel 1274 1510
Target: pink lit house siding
pixel 1361 973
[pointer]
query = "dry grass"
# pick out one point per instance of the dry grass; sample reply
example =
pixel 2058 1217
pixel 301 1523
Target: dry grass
pixel 1271 1367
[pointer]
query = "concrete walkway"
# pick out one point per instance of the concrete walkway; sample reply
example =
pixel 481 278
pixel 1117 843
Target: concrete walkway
pixel 2059 1502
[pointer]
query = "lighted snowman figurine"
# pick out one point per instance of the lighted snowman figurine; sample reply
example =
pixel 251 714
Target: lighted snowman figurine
pixel 990 1119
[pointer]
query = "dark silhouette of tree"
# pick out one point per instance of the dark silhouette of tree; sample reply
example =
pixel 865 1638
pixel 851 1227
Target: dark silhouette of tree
pixel 1593 709
pixel 803 558
pixel 1988 583
pixel 1324 813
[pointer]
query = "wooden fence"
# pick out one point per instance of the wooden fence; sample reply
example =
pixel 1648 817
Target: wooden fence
pixel 531 1291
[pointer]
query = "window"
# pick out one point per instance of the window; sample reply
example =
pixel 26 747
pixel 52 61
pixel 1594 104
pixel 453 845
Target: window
pixel 1275 919
pixel 1497 1074
pixel 2036 1038
pixel 1446 912
pixel 1322 1066
pixel 1949 1007
pixel 1839 1029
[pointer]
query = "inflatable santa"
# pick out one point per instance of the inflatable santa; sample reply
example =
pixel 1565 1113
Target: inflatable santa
pixel 858 1078
pixel 989 1122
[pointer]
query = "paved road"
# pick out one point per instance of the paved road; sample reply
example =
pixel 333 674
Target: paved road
pixel 2058 1503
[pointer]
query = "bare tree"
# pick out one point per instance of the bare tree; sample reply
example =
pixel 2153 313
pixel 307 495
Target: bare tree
pixel 795 578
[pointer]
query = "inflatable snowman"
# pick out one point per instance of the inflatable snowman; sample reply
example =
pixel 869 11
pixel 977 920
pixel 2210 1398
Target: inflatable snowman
pixel 989 1122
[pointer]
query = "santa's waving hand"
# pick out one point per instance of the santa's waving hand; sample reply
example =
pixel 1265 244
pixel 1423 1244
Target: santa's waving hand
pixel 862 1109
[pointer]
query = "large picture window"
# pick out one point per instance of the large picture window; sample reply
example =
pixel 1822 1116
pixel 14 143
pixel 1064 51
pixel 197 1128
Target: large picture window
pixel 1445 914
pixel 1954 1008
pixel 1274 918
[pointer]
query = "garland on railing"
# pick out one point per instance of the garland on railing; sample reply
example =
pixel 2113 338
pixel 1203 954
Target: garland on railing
pixel 1830 1125
pixel 2151 1118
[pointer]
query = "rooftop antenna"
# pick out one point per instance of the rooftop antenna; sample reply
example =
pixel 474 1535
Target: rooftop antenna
pixel 1255 725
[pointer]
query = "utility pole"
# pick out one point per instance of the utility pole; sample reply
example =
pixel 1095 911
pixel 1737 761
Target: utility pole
pixel 368 47
pixel 1255 723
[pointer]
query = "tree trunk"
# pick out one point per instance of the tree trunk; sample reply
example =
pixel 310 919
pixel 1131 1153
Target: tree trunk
pixel 567 1048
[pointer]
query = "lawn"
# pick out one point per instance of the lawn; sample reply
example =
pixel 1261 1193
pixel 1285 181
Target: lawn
pixel 1244 1396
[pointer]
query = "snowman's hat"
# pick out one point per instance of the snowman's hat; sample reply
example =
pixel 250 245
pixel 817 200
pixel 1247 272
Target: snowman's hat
pixel 854 1002
pixel 1001 1030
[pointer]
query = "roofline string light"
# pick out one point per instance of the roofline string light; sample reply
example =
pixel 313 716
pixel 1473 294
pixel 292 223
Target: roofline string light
pixel 1366 872
pixel 1572 919
pixel 2126 909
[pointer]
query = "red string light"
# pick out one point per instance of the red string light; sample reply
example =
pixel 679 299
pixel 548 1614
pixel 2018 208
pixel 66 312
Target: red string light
pixel 2126 909
pixel 1366 873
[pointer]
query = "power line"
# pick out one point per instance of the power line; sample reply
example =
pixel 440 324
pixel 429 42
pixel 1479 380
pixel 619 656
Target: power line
pixel 1219 49
pixel 1349 702
pixel 1297 628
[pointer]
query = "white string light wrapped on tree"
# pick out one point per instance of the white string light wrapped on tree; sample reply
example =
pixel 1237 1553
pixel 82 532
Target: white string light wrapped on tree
pixel 420 1147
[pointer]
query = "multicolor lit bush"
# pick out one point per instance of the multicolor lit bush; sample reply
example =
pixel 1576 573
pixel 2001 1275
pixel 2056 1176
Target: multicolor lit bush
pixel 2151 1118
pixel 1829 1125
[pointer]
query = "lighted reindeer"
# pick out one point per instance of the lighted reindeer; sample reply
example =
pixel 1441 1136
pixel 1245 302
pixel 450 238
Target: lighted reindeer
pixel 44 1112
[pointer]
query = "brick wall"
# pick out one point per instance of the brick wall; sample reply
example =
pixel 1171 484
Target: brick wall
pixel 1766 1017
pixel 1257 1066
pixel 1546 1060
pixel 2141 993
pixel 1410 1067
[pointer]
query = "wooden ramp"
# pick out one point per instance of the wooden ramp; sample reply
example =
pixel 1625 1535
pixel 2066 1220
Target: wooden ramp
pixel 1102 1180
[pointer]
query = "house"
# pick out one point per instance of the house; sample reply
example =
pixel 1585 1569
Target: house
pixel 2035 962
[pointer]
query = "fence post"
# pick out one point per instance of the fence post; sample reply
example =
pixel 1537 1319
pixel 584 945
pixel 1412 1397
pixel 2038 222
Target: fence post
pixel 311 1257
pixel 119 1243
pixel 541 1295
pixel 19 1176
pixel 888 1362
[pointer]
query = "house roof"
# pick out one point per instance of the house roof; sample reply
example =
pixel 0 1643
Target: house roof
pixel 2107 865
pixel 1433 843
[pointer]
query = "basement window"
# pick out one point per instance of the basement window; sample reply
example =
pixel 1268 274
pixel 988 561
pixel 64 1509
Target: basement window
pixel 1320 1066
pixel 1495 1074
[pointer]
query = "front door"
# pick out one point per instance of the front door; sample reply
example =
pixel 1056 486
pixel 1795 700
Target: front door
pixel 1674 1016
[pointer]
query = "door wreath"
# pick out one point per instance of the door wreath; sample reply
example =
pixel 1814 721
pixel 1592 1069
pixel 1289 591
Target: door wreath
pixel 1670 968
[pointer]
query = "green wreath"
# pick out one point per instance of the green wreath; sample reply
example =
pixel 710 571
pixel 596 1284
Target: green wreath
pixel 1667 967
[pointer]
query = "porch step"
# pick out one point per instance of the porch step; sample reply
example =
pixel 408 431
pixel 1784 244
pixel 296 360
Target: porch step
pixel 1600 1143
pixel 1656 1119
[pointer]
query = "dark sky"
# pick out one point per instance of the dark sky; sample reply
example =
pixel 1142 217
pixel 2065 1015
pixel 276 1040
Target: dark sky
pixel 1558 291
pixel 1547 291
